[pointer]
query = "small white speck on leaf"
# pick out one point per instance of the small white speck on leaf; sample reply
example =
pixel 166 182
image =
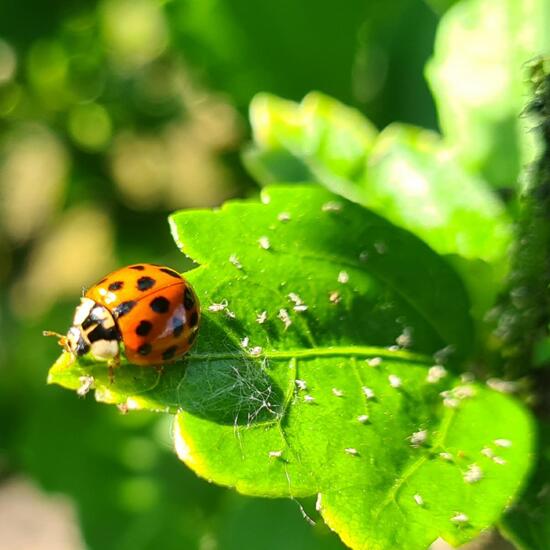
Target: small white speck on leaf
pixel 261 318
pixel 380 247
pixel 464 392
pixel 502 386
pixel 343 277
pixel 446 456
pixel 334 297
pixel 331 206
pixel 369 393
pixel 473 474
pixel 499 460
pixel 395 381
pixel 245 341
pixel 374 361
pixel 351 451
pixel 309 398
pixel 217 307
pixel 284 217
pixel 86 383
pixel 505 443
pixel 264 243
pixel 363 256
pixel 301 384
pixel 235 261
pixel 297 301
pixel 419 500
pixel 363 418
pixel 337 393
pixel 436 373
pixel 265 198
pixel 255 351
pixel 418 438
pixel 284 317
pixel 275 454
pixel 451 402
pixel 459 517
pixel 486 451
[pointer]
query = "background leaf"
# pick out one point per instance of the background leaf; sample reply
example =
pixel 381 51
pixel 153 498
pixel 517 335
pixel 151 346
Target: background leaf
pixel 478 76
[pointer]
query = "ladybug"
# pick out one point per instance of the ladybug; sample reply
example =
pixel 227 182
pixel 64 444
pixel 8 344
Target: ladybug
pixel 150 309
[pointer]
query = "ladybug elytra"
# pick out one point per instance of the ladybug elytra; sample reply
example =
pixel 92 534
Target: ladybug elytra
pixel 150 309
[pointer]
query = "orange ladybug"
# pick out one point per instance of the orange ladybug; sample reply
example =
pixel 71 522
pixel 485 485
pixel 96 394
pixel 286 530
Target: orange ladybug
pixel 150 309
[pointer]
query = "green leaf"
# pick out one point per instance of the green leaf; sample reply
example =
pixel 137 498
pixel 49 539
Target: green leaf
pixel 527 523
pixel 477 75
pixel 405 174
pixel 321 405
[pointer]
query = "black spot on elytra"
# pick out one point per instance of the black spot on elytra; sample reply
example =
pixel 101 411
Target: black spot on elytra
pixel 169 352
pixel 137 267
pixel 160 304
pixel 123 308
pixel 145 283
pixel 170 272
pixel 144 349
pixel 188 299
pixel 177 324
pixel 117 285
pixel 144 328
pixel 194 319
pixel 102 333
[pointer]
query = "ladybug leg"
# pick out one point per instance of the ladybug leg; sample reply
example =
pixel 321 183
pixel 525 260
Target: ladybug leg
pixel 159 369
pixel 61 339
pixel 113 364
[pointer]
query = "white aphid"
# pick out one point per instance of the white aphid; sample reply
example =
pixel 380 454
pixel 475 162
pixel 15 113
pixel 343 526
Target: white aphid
pixel 374 361
pixel 363 418
pixel 459 517
pixel 395 381
pixel 436 373
pixel 473 474
pixel 301 384
pixel 275 454
pixel 343 277
pixel 264 243
pixel 235 261
pixel 505 443
pixel 245 341
pixel 284 317
pixel 217 307
pixel 309 398
pixel 334 297
pixel 255 351
pixel 418 438
pixel 369 393
pixel 331 206
pixel 446 456
pixel 337 393
pixel 351 451
pixel 284 217
pixel 419 500
pixel 261 318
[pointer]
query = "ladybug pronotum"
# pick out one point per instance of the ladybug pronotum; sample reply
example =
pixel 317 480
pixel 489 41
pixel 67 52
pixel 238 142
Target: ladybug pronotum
pixel 150 309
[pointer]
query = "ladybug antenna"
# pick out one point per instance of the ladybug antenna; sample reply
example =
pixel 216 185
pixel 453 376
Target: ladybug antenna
pixel 61 338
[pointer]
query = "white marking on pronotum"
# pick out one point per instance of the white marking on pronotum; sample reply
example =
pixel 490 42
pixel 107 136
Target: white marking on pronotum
pixel 275 454
pixel 343 277
pixel 255 351
pixel 505 443
pixel 331 206
pixel 436 373
pixel 334 297
pixel 245 341
pixel 284 217
pixel 351 451
pixel 419 437
pixel 284 317
pixel 301 384
pixel 446 456
pixel 217 307
pixel 337 393
pixel 374 361
pixel 235 261
pixel 395 381
pixel 369 393
pixel 419 500
pixel 473 474
pixel 460 517
pixel 309 398
pixel 261 318
pixel 363 418
pixel 264 243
